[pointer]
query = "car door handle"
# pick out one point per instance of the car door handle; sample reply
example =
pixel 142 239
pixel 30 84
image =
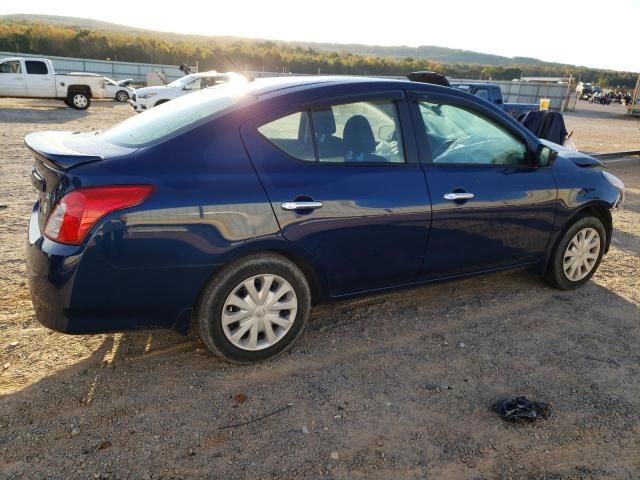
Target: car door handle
pixel 301 205
pixel 458 196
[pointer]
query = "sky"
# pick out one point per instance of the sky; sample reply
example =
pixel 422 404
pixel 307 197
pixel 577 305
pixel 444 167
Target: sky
pixel 595 34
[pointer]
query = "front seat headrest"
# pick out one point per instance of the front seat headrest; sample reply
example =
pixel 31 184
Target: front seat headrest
pixel 359 142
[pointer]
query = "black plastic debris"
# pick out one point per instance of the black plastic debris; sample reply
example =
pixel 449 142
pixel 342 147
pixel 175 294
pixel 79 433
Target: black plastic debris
pixel 520 407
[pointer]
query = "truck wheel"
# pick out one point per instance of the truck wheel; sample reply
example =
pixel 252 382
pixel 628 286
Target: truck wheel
pixel 78 100
pixel 122 96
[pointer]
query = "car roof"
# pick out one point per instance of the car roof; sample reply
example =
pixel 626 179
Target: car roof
pixel 268 85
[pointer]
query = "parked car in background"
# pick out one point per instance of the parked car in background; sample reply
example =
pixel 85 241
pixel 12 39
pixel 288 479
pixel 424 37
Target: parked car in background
pixel 36 78
pixel 493 94
pixel 584 90
pixel 149 97
pixel 115 90
pixel 126 82
pixel 239 206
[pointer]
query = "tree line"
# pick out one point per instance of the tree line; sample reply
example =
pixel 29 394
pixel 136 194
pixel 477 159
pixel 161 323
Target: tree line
pixel 261 55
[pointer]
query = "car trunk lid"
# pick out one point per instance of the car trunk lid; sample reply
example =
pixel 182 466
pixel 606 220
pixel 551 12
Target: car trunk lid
pixel 56 153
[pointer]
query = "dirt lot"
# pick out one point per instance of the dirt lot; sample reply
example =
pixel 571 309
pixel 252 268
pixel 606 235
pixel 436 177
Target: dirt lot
pixel 394 386
pixel 603 128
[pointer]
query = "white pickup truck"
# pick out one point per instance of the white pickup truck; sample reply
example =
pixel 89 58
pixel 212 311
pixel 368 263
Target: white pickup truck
pixel 36 78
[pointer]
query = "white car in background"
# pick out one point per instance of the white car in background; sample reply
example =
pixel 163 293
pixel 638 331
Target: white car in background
pixel 118 90
pixel 149 97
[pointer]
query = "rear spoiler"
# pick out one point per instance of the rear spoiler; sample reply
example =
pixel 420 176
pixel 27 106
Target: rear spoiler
pixel 50 149
pixel 429 77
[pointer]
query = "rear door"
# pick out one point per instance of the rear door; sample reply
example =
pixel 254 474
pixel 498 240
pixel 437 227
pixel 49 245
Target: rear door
pixel 491 207
pixel 344 182
pixel 12 81
pixel 39 79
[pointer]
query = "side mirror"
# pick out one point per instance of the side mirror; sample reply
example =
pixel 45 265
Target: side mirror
pixel 385 132
pixel 187 87
pixel 545 156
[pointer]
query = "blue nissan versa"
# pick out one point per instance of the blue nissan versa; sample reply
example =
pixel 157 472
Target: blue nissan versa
pixel 241 205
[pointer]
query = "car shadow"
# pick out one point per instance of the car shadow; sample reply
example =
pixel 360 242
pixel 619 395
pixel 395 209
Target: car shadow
pixel 46 114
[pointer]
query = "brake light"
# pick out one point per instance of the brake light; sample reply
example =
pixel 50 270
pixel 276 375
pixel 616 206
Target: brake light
pixel 79 210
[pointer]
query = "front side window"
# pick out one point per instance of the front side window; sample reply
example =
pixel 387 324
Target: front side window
pixel 483 93
pixel 36 67
pixel 460 136
pixel 11 66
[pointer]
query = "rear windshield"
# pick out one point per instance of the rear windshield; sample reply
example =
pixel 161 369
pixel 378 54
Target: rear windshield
pixel 176 115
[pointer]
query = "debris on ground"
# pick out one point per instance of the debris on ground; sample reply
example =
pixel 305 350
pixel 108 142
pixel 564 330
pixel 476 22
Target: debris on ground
pixel 520 407
pixel 240 398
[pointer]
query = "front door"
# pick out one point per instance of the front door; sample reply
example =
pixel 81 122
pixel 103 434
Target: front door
pixel 491 207
pixel 12 82
pixel 345 184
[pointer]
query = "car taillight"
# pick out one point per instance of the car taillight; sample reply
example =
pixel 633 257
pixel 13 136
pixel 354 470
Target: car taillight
pixel 79 210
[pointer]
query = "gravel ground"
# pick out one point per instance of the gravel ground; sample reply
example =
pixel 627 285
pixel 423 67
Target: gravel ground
pixel 389 386
pixel 603 128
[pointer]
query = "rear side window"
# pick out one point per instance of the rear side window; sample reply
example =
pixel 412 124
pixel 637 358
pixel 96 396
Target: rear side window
pixel 359 132
pixel 36 68
pixel 10 67
pixel 292 135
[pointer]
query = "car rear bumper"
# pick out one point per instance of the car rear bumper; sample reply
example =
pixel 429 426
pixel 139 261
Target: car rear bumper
pixel 50 271
pixel 75 289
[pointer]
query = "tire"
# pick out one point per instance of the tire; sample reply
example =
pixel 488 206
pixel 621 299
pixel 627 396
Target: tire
pixel 122 96
pixel 246 340
pixel 160 102
pixel 565 254
pixel 78 100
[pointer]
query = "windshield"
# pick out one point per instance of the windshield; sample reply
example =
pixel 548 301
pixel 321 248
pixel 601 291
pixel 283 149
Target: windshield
pixel 176 115
pixel 181 81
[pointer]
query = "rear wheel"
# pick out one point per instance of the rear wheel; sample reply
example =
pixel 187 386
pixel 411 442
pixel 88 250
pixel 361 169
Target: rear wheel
pixel 578 254
pixel 78 100
pixel 254 309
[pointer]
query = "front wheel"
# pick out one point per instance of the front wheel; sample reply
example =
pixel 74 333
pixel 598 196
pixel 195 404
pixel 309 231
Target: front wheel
pixel 254 309
pixel 577 255
pixel 122 96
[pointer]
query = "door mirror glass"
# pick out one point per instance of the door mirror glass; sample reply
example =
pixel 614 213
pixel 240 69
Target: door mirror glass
pixel 545 156
pixel 385 132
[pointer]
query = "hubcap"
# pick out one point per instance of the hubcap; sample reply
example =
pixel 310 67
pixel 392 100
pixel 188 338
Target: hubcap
pixel 581 254
pixel 122 97
pixel 80 100
pixel 259 312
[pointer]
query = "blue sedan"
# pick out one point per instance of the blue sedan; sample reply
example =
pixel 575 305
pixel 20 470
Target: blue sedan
pixel 236 208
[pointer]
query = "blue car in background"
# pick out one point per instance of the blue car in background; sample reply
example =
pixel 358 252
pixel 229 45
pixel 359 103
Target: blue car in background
pixel 236 208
